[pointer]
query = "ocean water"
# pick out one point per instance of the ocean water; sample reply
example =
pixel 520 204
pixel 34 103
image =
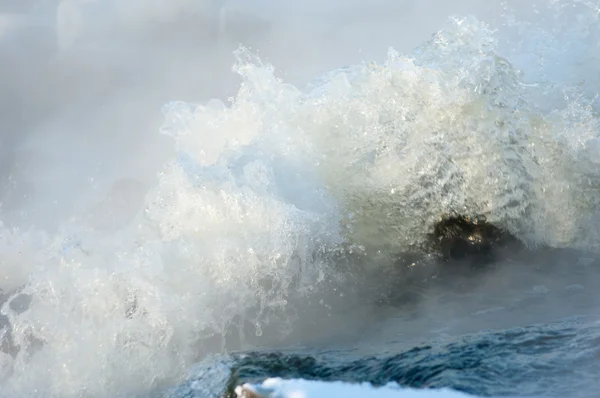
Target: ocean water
pixel 263 229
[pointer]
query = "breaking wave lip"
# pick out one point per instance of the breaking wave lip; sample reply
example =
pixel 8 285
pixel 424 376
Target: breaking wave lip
pixel 266 190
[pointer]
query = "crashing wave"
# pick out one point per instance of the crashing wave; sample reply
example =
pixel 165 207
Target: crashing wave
pixel 266 192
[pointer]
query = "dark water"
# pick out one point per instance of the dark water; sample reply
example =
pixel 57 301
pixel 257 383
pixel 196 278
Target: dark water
pixel 534 360
pixel 534 335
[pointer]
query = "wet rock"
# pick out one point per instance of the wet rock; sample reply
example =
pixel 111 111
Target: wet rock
pixel 459 249
pixel 460 237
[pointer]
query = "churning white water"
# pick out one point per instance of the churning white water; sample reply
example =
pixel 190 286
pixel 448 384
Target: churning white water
pixel 258 192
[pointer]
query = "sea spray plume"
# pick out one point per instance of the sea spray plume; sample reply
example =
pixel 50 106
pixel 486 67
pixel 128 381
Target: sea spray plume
pixel 412 139
pixel 217 246
pixel 448 130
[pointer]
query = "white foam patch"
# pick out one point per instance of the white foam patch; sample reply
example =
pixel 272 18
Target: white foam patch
pixel 279 388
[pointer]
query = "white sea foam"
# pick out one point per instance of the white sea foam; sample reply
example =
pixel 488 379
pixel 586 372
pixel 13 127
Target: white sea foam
pixel 279 388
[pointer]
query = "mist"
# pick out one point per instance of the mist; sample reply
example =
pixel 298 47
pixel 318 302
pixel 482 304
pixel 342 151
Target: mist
pixel 83 82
